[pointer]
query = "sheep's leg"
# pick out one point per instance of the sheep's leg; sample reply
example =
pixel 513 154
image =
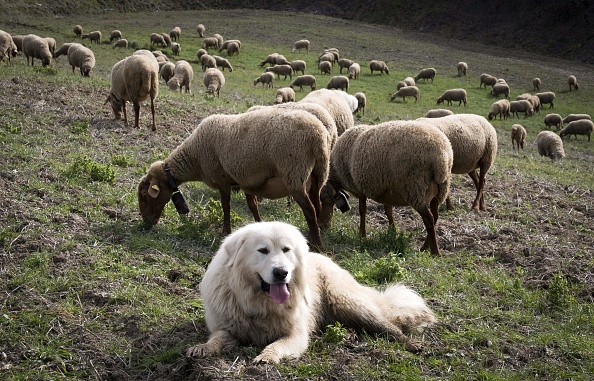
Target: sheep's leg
pixel 362 215
pixel 154 126
pixel 314 196
pixel 479 182
pixel 429 222
pixel 309 213
pixel 252 202
pixel 136 114
pixel 389 210
pixel 226 204
pixel 124 107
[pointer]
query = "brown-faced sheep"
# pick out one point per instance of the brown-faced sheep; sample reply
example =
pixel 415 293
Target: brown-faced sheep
pixel 266 79
pixel 487 80
pixel 571 117
pixel 453 95
pixel 270 59
pixel 572 82
pixel 518 136
pixel 223 63
pixel 214 80
pixel 550 144
pixel 354 71
pixel 301 44
pixel 340 82
pixel 175 33
pixel 182 77
pixel 376 65
pixel 425 74
pixel 298 65
pixel 578 127
pixel 553 120
pixel 36 47
pixel 462 67
pixel 78 30
pixel 94 36
pixel 500 88
pixel 361 102
pixel 200 29
pixel 516 107
pixel 281 70
pixel 79 56
pixel 304 80
pixel 121 43
pixel 115 35
pixel 284 95
pixel 547 97
pixel 536 82
pixel 501 108
pixel 166 70
pixel 344 63
pixel 407 91
pixel 438 113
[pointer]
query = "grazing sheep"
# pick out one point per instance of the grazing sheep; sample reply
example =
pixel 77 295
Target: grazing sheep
pixel 200 53
pixel 7 46
pixel 354 71
pixel 462 67
pixel 207 61
pixel 166 70
pixel 578 127
pixel 438 113
pixel 285 94
pixel 332 51
pixel 175 33
pixel 301 44
pixel 225 44
pixel 518 136
pixel 396 163
pixel 182 77
pixel 304 80
pixel 487 80
pixel 36 47
pixel 134 79
pixel 571 117
pixel 410 81
pixel 327 57
pixel 266 78
pixel 78 30
pixel 233 49
pixel 425 74
pixel 51 44
pixel 376 65
pixel 161 58
pixel 547 97
pixel 156 38
pixel 453 95
pixel 150 55
pixel 535 102
pixel 361 102
pixel 214 80
pixel 281 70
pixel 340 82
pixel 516 107
pixel 200 29
pixel 282 60
pixel 223 63
pixel 553 120
pixel 63 49
pixel 115 35
pixel 227 152
pixel 18 41
pixel 407 91
pixel 93 37
pixel 572 82
pixel 167 38
pixel 336 103
pixel 219 38
pixel 501 80
pixel 400 85
pixel 344 63
pixel 325 67
pixel 210 42
pixel 536 82
pixel 82 57
pixel 524 96
pixel 121 43
pixel 501 108
pixel 550 144
pixel 500 88
pixel 175 48
pixel 298 65
pixel 270 59
pixel 352 102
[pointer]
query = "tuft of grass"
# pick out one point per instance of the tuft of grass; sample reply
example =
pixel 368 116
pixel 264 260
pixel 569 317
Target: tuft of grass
pixel 86 167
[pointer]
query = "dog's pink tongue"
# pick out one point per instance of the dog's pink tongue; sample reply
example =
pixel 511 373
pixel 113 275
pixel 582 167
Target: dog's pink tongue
pixel 279 292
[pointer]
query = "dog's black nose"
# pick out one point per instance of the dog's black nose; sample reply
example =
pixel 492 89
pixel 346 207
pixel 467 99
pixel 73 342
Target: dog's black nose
pixel 279 274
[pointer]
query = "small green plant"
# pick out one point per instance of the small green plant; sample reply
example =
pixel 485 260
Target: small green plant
pixel 122 161
pixel 85 166
pixel 79 126
pixel 386 269
pixel 335 333
pixel 559 294
pixel 14 129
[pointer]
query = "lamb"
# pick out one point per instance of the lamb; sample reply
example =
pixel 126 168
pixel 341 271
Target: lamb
pixel 82 57
pixel 223 63
pixel 361 102
pixel 547 97
pixel 425 74
pixel 500 88
pixel 516 107
pixel 210 42
pixel 93 36
pixel 270 59
pixel 175 48
pixel 354 71
pixel 462 67
pixel 301 44
pixel 536 82
pixel 156 38
pixel 122 43
pixel 166 38
pixel 166 70
pixel 214 80
pixel 63 49
pixel 285 94
pixel 36 47
pixel 438 113
pixel 550 144
pixel 7 46
pixel 207 61
pixel 304 80
pixel 134 79
pixel 578 127
pixel 501 108
pixel 78 30
pixel 571 117
pixel 266 78
pixel 344 63
pixel 518 136
pixel 377 162
pixel 410 81
pixel 226 152
pixel 376 65
pixel 453 95
pixel 175 33
pixel 325 67
pixel 553 120
pixel 339 82
pixel 572 82
pixel 281 70
pixel 298 65
pixel 182 77
pixel 408 91
pixel 233 49
pixel 200 29
pixel 487 80
pixel 115 35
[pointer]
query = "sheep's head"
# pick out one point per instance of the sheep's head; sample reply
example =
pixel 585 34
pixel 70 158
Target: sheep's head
pixel 116 105
pixel 46 61
pixel 173 84
pixel 154 193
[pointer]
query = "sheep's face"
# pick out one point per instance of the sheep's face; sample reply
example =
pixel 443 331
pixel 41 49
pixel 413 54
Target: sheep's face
pixel 153 195
pixel 46 61
pixel 116 106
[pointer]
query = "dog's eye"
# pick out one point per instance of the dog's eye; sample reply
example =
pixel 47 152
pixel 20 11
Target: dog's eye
pixel 286 249
pixel 264 250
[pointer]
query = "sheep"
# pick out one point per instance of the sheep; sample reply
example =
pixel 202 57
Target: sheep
pixel 162 58
pixel 336 103
pixel 578 127
pixel 344 63
pixel 516 107
pixel 219 38
pixel 156 38
pixel 285 94
pixel 298 65
pixel 487 80
pixel 214 80
pixel 339 82
pixel 166 70
pixel 223 63
pixel 207 61
pixel 536 82
pixel 301 44
pixel 550 144
pixel 175 33
pixel 166 38
pixel 282 60
pixel 462 67
pixel 501 108
pixel 376 65
pixel 158 53
pixel 121 43
pixel 150 55
pixel 200 29
pixel 266 78
pixel 200 53
pixel 425 74
pixel 572 82
pixel 501 80
pixel 233 49
pixel 400 85
pixel 547 97
pixel 36 47
pixel 93 37
pixel 134 79
pixel 410 81
pixel 182 77
pixel 334 52
pixel 518 136
pixel 377 162
pixel 438 113
pixel 115 35
pixel 571 117
pixel 63 49
pixel 553 120
pixel 354 71
pixel 175 48
pixel 407 91
pixel 453 95
pixel 500 88
pixel 281 70
pixel 78 30
pixel 304 80
pixel 226 43
pixel 210 42
pixel 82 57
pixel 535 102
pixel 51 44
pixel 226 152
pixel 7 46
pixel 18 41
pixel 351 100
pixel 361 102
pixel 325 67
pixel 524 96
pixel 270 59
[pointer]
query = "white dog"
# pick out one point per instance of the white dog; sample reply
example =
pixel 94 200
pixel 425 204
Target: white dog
pixel 264 288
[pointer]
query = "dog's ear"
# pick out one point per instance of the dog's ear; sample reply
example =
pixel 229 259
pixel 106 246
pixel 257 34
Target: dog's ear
pixel 231 246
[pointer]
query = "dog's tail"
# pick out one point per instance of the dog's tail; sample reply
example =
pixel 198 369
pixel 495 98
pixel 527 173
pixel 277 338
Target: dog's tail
pixel 406 308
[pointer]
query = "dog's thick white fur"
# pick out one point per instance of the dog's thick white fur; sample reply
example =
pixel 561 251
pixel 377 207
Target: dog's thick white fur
pixel 264 288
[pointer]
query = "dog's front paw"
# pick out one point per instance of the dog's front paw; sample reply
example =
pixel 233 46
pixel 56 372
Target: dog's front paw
pixel 267 357
pixel 201 350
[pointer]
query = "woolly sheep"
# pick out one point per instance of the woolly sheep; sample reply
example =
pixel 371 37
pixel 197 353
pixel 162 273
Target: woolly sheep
pixel 377 162
pixel 335 53
pixel 226 43
pixel 487 80
pixel 233 49
pixel 298 65
pixel 335 102
pixel 150 55
pixel 115 35
pixel 327 57
pixel 339 82
pixel 207 61
pixel 410 81
pixel 344 63
pixel 354 71
pixel 285 94
pixel 270 59
pixel 301 44
pixel 266 78
pixel 121 43
pixel 7 46
pixel 182 77
pixel 166 70
pixel 325 67
pixel 93 36
pixel 134 79
pixel 223 63
pixel 535 102
pixel 438 113
pixel 352 102
pixel 175 33
pixel 51 44
pixel 553 120
pixel 175 48
pixel 518 136
pixel 281 70
pixel 361 102
pixel 167 38
pixel 501 108
pixel 547 97
pixel 425 74
pixel 214 80
pixel 500 88
pixel 516 107
pixel 78 30
pixel 18 41
pixel 210 42
pixel 536 82
pixel 572 82
pixel 63 49
pixel 376 65
pixel 453 95
pixel 462 67
pixel 226 152
pixel 550 144
pixel 304 80
pixel 578 127
pixel 408 91
pixel 400 85
pixel 571 117
pixel 524 96
pixel 82 57
pixel 219 38
pixel 200 53
pixel 36 47
pixel 200 29
pixel 162 58
pixel 156 38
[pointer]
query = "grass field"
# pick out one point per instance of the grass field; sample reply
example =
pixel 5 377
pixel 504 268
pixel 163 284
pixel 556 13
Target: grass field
pixel 89 293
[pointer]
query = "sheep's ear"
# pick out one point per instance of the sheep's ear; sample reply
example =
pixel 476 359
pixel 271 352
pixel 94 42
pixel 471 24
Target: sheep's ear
pixel 153 189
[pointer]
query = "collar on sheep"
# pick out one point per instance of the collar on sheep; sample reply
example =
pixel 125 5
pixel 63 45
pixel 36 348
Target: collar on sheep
pixel 178 199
